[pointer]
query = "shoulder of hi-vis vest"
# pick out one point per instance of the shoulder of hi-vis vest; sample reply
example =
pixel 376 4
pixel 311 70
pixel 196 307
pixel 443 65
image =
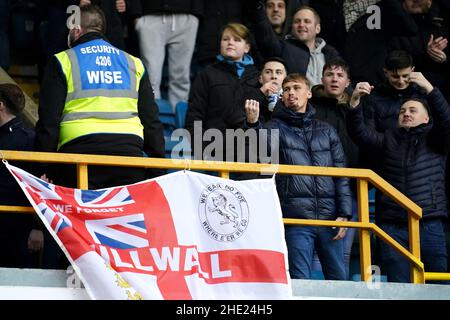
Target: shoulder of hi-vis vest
pixel 102 91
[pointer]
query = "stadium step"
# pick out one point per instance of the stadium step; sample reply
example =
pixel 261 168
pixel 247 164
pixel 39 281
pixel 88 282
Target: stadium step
pixel 40 284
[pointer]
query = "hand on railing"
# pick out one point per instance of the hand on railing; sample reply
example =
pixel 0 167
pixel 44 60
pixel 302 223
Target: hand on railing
pixel 44 177
pixel 342 231
pixel 35 240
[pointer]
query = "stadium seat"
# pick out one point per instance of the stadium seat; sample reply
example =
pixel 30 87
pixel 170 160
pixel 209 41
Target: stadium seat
pixel 180 113
pixel 166 116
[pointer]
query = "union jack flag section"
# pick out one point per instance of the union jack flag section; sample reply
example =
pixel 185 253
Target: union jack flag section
pixel 184 235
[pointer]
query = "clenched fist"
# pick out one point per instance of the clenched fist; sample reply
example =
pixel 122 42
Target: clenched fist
pixel 252 110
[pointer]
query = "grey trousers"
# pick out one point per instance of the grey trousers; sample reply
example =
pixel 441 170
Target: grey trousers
pixel 177 32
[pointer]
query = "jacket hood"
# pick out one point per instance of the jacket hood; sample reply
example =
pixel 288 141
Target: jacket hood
pixel 293 118
pixel 320 44
pixel 318 91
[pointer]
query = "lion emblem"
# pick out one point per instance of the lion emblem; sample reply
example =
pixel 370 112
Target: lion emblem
pixel 227 211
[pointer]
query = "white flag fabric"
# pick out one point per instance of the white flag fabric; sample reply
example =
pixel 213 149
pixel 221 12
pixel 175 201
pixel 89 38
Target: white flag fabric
pixel 184 235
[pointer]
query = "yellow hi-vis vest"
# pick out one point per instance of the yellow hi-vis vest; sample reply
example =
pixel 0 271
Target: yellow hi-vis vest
pixel 102 91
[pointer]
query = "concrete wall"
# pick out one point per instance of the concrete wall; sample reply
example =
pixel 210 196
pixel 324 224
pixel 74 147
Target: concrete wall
pixel 31 284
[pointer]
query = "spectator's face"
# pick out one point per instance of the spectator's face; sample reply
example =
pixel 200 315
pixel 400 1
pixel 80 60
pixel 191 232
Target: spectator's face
pixel 276 12
pixel 296 95
pixel 335 80
pixel 274 72
pixel 232 46
pixel 417 6
pixel 412 114
pixel 304 26
pixel 399 79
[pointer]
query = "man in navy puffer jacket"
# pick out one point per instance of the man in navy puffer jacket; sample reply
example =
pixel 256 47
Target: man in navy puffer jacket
pixel 412 159
pixel 304 140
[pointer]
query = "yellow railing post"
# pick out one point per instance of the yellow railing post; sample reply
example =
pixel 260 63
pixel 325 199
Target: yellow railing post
pixel 82 176
pixel 417 275
pixel 364 235
pixel 225 174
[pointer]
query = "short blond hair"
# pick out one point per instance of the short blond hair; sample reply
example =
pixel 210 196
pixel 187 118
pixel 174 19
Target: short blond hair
pixel 296 77
pixel 237 29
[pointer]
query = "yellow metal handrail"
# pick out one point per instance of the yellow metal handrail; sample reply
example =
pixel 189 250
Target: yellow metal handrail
pixel 363 176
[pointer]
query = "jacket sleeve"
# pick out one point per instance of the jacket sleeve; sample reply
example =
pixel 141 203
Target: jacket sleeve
pixel 134 8
pixel 343 191
pixel 445 4
pixel 149 115
pixel 266 39
pixel 267 141
pixel 198 104
pixel 362 134
pixel 441 111
pixel 395 20
pixel 52 99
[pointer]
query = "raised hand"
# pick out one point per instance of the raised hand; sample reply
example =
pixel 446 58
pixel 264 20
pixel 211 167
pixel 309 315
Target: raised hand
pixel 435 49
pixel 419 79
pixel 361 89
pixel 121 6
pixel 269 88
pixel 252 110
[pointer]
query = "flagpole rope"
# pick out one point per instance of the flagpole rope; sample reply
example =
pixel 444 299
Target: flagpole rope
pixel 187 165
pixel 3 158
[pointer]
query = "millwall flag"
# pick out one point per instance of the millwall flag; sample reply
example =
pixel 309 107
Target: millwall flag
pixel 184 235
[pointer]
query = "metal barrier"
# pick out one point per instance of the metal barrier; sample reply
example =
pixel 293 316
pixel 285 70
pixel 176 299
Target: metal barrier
pixel 363 177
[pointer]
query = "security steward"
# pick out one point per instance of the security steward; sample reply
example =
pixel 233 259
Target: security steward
pixel 97 99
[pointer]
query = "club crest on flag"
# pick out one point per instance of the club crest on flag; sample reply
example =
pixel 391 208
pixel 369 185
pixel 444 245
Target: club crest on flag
pixel 223 212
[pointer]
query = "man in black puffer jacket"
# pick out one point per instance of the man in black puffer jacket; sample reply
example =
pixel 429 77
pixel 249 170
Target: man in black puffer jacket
pixel 413 161
pixel 304 140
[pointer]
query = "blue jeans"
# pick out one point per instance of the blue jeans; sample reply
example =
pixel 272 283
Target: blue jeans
pixel 348 243
pixel 301 242
pixel 432 250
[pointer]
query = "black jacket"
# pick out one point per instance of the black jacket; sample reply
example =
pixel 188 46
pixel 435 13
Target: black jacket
pixel 218 95
pixel 14 227
pixel 304 140
pixel 14 136
pixel 335 113
pixel 412 161
pixel 51 105
pixel 294 52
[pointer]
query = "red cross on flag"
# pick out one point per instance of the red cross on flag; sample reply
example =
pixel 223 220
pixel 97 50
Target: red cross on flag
pixel 184 235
